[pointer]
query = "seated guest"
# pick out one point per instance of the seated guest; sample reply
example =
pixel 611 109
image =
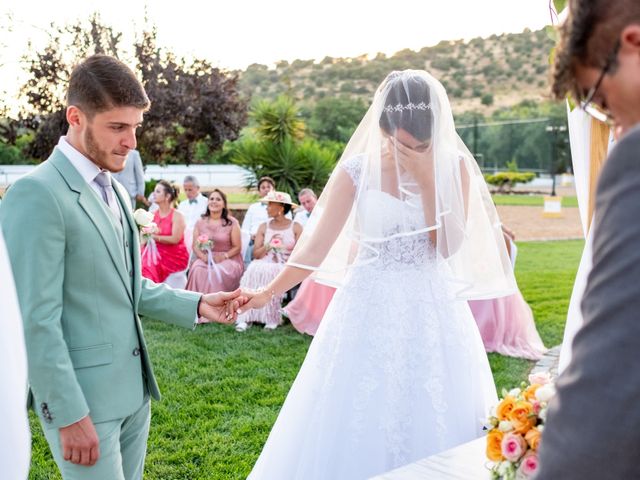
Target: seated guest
pixel 506 324
pixel 307 200
pixel 256 214
pixel 192 208
pixel 132 178
pixel 172 255
pixel 218 265
pixel 274 242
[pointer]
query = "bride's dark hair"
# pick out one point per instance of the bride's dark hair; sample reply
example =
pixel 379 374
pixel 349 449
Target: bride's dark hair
pixel 407 106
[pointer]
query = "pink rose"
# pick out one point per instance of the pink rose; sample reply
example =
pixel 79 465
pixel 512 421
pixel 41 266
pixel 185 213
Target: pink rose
pixel 536 407
pixel 539 378
pixel 203 238
pixel 529 464
pixel 149 229
pixel 275 242
pixel 513 446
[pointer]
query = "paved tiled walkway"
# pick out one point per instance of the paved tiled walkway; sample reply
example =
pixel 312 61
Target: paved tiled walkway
pixel 549 362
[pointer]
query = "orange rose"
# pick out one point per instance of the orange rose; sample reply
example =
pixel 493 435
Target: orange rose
pixel 522 417
pixel 533 438
pixel 530 392
pixel 504 407
pixel 494 445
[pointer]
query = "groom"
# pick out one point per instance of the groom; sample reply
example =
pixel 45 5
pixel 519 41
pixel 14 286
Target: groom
pixel 74 249
pixel 593 426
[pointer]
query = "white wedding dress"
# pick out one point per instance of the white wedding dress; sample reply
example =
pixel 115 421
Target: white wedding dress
pixel 396 372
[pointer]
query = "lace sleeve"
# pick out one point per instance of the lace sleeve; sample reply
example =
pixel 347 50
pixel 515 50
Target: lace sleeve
pixel 353 166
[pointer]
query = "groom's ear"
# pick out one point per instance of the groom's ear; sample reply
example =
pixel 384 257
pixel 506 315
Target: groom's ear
pixel 75 116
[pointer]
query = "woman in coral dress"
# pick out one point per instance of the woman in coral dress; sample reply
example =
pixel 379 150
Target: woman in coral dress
pixel 274 242
pixel 172 255
pixel 221 268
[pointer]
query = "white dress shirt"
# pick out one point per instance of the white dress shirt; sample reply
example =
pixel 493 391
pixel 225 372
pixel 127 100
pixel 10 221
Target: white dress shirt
pixel 85 167
pixel 301 217
pixel 256 215
pixel 193 210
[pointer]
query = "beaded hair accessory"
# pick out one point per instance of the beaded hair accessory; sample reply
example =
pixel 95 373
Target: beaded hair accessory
pixel 409 106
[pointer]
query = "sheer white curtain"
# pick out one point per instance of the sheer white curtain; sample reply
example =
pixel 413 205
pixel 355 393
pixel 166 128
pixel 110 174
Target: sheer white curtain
pixel 580 140
pixel 15 440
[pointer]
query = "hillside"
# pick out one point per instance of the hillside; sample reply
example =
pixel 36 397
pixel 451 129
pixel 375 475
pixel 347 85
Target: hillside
pixel 482 74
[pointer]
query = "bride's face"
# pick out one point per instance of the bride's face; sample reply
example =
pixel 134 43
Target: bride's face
pixel 406 139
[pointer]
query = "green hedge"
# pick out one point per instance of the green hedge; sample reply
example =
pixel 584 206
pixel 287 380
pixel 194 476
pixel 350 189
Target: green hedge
pixel 505 181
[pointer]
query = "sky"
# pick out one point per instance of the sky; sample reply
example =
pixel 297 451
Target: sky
pixel 236 33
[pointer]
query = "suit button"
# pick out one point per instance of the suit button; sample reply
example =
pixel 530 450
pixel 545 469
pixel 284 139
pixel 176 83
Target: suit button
pixel 131 273
pixel 136 352
pixel 126 244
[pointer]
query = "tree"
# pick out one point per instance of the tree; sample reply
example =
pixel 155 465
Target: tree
pixel 336 118
pixel 191 101
pixel 275 146
pixel 487 99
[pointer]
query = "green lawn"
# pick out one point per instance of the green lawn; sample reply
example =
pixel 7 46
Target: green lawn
pixel 531 200
pixel 242 197
pixel 222 391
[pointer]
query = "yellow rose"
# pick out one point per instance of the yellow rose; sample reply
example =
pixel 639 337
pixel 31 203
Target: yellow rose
pixel 494 445
pixel 522 417
pixel 530 392
pixel 533 438
pixel 504 407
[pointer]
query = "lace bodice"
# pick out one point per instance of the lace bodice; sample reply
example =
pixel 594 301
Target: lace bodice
pixel 401 250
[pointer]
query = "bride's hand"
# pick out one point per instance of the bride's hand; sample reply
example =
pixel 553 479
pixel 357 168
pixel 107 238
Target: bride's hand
pixel 256 299
pixel 419 164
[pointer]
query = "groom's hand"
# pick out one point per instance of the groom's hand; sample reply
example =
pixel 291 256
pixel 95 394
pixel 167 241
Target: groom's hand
pixel 222 307
pixel 80 444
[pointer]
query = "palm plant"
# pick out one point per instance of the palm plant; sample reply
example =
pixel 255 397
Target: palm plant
pixel 275 146
pixel 276 121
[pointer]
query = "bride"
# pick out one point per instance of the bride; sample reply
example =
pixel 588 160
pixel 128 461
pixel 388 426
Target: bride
pixel 406 228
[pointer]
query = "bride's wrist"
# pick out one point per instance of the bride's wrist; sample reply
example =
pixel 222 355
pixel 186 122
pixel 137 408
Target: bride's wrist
pixel 267 294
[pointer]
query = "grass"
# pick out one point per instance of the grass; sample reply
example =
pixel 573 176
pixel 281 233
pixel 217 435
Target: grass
pixel 531 200
pixel 242 197
pixel 222 391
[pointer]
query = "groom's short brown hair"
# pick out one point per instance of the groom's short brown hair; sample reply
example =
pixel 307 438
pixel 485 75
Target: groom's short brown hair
pixel 587 37
pixel 101 82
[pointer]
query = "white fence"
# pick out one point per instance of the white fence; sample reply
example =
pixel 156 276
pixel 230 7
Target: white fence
pixel 230 176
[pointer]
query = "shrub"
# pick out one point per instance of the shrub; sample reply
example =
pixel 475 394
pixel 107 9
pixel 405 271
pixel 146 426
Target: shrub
pixel 505 181
pixel 487 99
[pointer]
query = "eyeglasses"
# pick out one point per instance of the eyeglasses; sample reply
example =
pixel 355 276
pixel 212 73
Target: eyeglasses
pixel 592 108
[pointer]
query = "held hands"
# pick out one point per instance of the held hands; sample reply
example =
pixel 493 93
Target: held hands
pixel 257 299
pixel 79 442
pixel 223 307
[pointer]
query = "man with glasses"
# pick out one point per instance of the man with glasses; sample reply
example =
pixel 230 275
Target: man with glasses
pixel 593 425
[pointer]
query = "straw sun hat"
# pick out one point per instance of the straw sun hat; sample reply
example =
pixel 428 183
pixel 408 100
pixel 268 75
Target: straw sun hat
pixel 278 197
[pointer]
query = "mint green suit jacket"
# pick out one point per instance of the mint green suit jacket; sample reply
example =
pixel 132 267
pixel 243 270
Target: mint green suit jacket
pixel 81 297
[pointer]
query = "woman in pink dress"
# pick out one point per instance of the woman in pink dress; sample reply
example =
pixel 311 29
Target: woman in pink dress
pixel 274 242
pixel 172 255
pixel 307 309
pixel 220 269
pixel 506 324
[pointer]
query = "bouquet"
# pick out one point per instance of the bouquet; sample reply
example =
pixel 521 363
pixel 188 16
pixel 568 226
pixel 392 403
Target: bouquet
pixel 515 426
pixel 148 229
pixel 276 247
pixel 205 244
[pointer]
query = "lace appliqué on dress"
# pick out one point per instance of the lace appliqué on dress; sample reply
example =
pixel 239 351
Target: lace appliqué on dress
pixel 353 166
